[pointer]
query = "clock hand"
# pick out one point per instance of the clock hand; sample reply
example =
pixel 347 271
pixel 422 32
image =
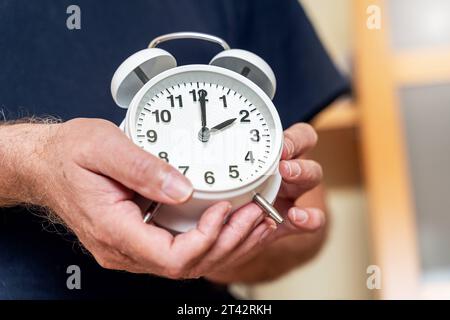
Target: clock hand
pixel 203 134
pixel 223 125
pixel 202 99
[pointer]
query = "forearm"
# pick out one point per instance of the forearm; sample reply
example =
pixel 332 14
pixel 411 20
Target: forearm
pixel 21 145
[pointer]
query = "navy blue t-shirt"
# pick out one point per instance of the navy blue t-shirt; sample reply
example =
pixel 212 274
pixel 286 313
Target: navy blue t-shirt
pixel 47 69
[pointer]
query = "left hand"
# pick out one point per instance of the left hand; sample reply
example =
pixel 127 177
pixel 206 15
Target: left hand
pixel 299 176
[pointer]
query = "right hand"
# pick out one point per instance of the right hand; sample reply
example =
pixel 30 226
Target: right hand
pixel 87 172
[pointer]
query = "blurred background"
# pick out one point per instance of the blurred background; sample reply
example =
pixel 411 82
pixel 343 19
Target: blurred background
pixel 385 153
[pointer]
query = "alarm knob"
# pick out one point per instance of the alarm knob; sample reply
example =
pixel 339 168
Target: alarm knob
pixel 136 71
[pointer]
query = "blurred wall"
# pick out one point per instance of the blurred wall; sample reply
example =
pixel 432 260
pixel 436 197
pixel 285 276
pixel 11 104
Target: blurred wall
pixel 339 271
pixel 332 20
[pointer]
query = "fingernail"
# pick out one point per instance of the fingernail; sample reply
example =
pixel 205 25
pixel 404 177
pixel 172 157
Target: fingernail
pixel 289 146
pixel 295 169
pixel 226 212
pixel 228 209
pixel 285 167
pixel 259 220
pixel 266 233
pixel 299 216
pixel 176 186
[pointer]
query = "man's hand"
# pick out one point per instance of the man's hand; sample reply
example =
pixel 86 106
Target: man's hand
pixel 87 172
pixel 301 234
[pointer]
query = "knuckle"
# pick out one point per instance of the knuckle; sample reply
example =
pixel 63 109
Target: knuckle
pixel 141 168
pixel 149 171
pixel 104 262
pixel 84 150
pixel 175 272
pixel 319 171
pixel 204 237
pixel 220 248
pixel 101 235
pixel 236 228
pixel 315 171
pixel 193 274
pixel 308 131
pixel 288 135
pixel 174 267
pixel 319 222
pixel 88 134
pixel 97 123
pixel 311 171
pixel 317 219
pixel 93 128
pixel 74 123
pixel 312 133
pixel 323 219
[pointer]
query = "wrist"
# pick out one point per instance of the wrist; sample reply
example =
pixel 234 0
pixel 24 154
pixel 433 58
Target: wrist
pixel 24 167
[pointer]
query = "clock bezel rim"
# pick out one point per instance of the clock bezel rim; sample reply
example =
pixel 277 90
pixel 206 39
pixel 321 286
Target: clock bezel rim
pixel 130 125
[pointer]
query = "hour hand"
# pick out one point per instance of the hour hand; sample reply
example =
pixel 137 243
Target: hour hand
pixel 223 125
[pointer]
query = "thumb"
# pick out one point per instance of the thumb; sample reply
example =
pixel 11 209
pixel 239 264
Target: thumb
pixel 119 158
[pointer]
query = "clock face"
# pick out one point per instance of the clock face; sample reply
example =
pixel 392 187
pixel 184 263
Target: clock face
pixel 214 129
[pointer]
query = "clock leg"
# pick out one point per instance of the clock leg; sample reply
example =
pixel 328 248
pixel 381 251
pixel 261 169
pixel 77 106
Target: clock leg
pixel 268 208
pixel 152 211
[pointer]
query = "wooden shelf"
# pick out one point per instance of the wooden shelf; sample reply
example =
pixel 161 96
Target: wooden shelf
pixel 342 114
pixel 430 65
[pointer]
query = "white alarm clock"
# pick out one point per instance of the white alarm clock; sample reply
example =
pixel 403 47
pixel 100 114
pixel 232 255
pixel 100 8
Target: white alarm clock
pixel 215 123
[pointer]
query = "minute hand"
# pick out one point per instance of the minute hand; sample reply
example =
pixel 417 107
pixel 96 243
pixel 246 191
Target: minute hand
pixel 202 99
pixel 223 125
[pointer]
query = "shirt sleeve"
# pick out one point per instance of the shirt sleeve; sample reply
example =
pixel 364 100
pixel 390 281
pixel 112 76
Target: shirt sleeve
pixel 280 32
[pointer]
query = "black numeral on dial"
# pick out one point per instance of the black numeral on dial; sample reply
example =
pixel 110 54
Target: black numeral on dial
pixel 255 135
pixel 249 157
pixel 245 114
pixel 172 101
pixel 152 136
pixel 224 100
pixel 164 156
pixel 209 177
pixel 183 169
pixel 194 95
pixel 164 115
pixel 233 172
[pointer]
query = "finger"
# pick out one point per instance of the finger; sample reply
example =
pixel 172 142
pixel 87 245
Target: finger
pixel 269 231
pixel 109 257
pixel 307 219
pixel 124 230
pixel 235 231
pixel 153 178
pixel 188 247
pixel 301 220
pixel 247 249
pixel 298 176
pixel 119 262
pixel 154 248
pixel 298 139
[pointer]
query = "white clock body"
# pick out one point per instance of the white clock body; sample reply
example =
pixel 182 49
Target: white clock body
pixel 234 164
